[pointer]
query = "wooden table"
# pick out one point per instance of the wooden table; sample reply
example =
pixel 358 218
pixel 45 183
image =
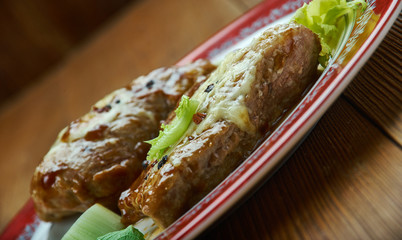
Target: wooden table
pixel 344 182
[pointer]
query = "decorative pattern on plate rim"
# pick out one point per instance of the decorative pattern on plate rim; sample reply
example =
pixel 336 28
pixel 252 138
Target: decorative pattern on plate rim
pixel 261 22
pixel 29 229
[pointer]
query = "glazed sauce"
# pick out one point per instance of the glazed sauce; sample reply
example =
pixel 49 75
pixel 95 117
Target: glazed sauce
pixel 96 134
pixel 102 109
pixel 49 179
pixel 198 117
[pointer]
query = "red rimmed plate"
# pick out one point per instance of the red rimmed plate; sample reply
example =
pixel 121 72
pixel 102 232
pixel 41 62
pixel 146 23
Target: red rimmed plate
pixel 364 38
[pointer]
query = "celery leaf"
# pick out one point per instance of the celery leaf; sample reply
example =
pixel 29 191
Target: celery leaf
pixel 326 19
pixel 172 132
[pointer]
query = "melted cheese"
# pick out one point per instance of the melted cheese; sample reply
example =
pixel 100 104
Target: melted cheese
pixel 232 81
pixel 226 101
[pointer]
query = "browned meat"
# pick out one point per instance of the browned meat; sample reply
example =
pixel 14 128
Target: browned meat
pixel 100 154
pixel 240 101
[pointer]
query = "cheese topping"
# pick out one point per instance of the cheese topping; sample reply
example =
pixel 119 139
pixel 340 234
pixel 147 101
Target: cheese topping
pixel 232 82
pixel 222 96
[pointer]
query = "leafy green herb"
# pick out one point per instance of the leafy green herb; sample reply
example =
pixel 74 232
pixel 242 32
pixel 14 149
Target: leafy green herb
pixel 130 233
pixel 171 133
pixel 326 19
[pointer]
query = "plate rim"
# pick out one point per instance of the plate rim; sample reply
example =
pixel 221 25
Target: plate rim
pixel 25 221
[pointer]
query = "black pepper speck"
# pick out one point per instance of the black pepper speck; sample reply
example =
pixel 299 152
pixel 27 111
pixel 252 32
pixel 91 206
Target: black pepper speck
pixel 209 88
pixel 144 164
pixel 162 161
pixel 150 84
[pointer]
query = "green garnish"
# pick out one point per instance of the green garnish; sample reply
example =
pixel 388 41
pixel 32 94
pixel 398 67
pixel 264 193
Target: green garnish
pixel 93 223
pixel 326 19
pixel 172 132
pixel 130 233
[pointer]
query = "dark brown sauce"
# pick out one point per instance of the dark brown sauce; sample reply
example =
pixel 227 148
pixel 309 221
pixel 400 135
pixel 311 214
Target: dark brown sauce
pixel 128 87
pixel 49 179
pixel 66 135
pixel 198 117
pixel 96 134
pixel 103 109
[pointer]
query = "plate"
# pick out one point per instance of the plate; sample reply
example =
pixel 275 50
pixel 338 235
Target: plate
pixel 358 45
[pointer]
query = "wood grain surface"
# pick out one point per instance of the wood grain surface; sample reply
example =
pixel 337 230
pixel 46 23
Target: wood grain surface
pixel 37 34
pixel 344 182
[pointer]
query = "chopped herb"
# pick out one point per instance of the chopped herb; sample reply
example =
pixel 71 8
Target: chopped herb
pixel 129 233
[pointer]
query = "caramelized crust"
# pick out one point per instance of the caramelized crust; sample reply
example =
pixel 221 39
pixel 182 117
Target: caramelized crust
pixel 100 154
pixel 265 80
